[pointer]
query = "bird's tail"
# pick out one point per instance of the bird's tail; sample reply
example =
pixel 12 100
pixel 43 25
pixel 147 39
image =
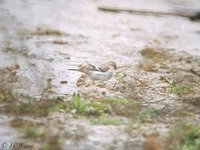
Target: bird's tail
pixel 75 70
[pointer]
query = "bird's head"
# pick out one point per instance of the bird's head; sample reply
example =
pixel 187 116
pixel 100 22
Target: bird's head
pixel 112 64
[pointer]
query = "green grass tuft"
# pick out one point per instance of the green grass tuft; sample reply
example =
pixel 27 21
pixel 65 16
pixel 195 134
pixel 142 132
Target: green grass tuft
pixel 184 136
pixel 81 106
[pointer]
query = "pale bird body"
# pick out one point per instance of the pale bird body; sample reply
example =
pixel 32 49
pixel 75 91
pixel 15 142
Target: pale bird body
pixel 102 73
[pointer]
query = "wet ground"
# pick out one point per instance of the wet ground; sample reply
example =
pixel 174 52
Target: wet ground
pixel 46 38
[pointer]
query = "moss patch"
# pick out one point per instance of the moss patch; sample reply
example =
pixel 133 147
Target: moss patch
pixel 35 108
pixel 106 120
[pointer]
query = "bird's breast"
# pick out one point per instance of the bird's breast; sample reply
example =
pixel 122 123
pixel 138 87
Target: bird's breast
pixel 104 76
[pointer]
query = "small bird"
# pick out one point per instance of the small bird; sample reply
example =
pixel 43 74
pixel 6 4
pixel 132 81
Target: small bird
pixel 102 73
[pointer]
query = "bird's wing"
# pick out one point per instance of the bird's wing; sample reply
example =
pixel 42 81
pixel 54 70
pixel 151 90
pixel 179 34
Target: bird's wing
pixel 93 68
pixel 87 66
pixel 103 68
